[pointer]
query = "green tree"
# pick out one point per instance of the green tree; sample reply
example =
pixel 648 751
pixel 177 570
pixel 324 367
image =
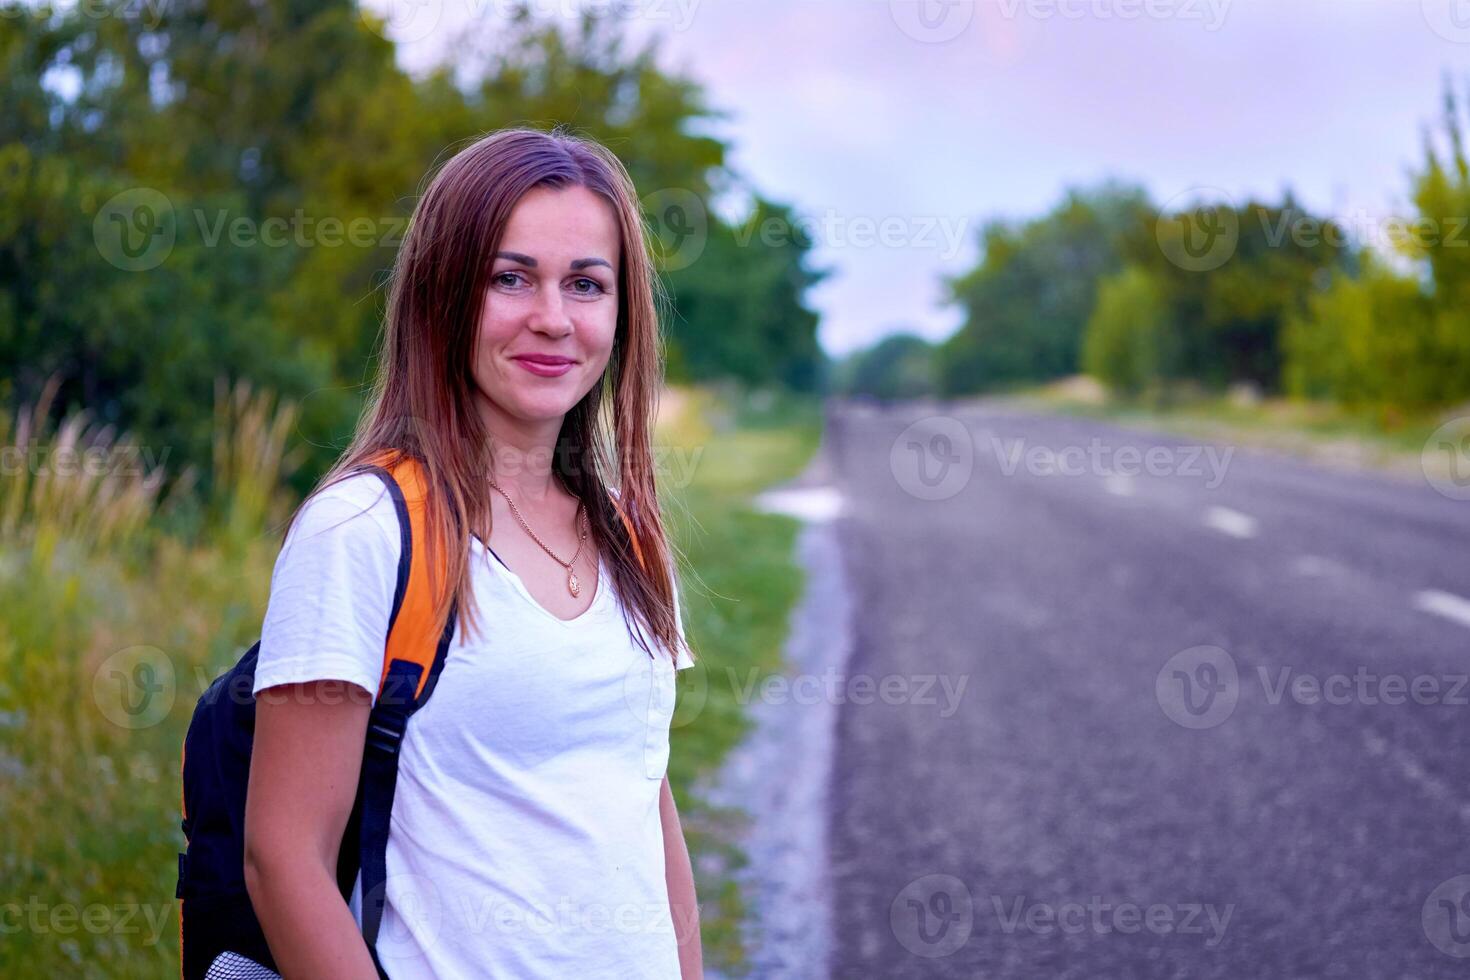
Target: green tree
pixel 901 365
pixel 739 309
pixel 1230 317
pixel 1391 339
pixel 279 146
pixel 1131 342
pixel 1027 303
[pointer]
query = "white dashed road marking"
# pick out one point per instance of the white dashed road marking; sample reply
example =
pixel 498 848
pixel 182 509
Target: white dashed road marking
pixel 818 503
pixel 1231 522
pixel 1444 604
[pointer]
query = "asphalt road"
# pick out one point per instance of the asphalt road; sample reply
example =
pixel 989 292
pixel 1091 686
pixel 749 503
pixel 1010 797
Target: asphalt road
pixel 1207 720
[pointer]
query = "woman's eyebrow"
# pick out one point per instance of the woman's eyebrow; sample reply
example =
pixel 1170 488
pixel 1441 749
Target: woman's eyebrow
pixel 526 260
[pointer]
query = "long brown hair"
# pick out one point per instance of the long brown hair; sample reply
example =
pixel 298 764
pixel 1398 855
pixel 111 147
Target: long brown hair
pixel 422 400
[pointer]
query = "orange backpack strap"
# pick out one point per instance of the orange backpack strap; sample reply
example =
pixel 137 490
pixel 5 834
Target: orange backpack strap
pixel 412 637
pixel 413 657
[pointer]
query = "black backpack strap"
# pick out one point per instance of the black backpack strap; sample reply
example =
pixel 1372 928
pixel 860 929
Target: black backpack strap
pixel 413 659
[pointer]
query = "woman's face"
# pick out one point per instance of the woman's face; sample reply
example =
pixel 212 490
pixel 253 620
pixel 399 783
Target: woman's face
pixel 552 294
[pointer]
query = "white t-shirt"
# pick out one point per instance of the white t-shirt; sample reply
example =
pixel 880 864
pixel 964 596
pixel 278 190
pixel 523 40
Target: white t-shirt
pixel 525 839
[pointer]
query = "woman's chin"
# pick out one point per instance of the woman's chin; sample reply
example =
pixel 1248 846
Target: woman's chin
pixel 545 406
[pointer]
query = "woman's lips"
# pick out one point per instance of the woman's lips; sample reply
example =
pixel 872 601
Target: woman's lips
pixel 545 369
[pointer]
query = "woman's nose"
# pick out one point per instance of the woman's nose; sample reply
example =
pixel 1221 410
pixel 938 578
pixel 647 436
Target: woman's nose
pixel 550 314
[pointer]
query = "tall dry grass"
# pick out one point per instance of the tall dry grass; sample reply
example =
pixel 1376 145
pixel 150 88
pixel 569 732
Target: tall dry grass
pixel 109 630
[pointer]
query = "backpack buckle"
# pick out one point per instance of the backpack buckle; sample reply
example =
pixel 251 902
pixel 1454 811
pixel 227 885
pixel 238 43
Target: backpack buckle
pixel 385 735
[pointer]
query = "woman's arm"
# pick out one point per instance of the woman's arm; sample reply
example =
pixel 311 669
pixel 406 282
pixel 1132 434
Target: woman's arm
pixel 303 780
pixel 679 874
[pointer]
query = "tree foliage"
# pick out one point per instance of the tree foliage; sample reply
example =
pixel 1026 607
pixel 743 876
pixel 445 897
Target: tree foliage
pixel 213 189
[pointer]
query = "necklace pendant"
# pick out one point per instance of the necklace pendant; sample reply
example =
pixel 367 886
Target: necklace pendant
pixel 573 584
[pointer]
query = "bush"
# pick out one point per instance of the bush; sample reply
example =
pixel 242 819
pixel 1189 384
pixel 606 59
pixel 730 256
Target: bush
pixel 1376 340
pixel 1129 344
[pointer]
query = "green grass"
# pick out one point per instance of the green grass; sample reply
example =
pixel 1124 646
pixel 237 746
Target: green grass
pixel 739 586
pixel 1320 431
pixel 92 590
pixel 106 574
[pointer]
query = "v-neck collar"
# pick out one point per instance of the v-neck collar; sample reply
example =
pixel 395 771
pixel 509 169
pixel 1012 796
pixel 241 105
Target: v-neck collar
pixel 520 586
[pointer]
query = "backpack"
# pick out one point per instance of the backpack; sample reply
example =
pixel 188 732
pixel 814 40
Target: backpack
pixel 216 920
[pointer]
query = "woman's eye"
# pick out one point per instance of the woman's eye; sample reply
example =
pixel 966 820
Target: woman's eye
pixel 501 277
pixel 595 286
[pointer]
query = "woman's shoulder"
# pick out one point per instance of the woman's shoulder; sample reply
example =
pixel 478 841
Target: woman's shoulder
pixel 333 588
pixel 357 506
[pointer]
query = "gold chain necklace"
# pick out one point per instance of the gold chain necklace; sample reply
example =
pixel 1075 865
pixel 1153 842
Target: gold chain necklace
pixel 572 583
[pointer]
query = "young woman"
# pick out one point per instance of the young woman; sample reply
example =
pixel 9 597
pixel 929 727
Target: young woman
pixel 533 832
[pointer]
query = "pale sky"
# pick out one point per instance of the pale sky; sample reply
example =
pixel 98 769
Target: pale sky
pixel 899 127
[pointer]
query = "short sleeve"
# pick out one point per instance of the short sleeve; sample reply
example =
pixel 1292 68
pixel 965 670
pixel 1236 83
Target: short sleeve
pixel 332 589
